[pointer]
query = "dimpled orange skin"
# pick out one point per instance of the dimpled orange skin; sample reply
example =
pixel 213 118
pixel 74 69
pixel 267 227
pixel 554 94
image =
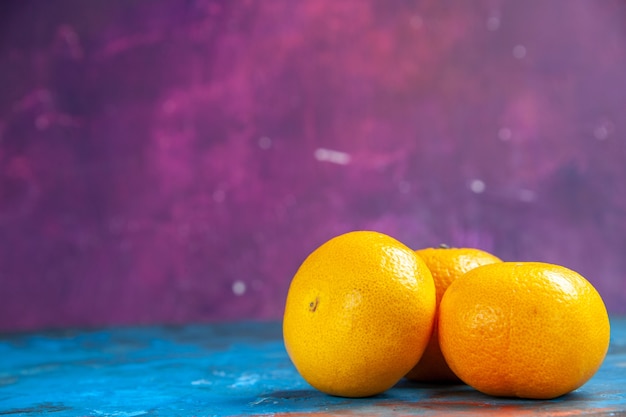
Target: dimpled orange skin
pixel 446 264
pixel 359 313
pixel 524 329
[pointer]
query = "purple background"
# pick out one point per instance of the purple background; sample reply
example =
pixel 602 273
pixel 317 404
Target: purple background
pixel 175 161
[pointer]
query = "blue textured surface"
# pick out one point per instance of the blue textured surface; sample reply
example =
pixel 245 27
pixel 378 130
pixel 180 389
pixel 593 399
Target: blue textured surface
pixel 236 369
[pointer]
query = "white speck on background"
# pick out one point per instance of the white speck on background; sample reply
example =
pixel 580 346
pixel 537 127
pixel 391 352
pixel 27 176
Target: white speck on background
pixel 239 287
pixel 477 186
pixel 416 21
pixel 504 134
pixel 527 196
pixel 601 132
pixel 329 155
pixel 265 142
pixel 120 413
pixel 245 380
pixel 519 51
pixel 201 382
pixel 493 22
pixel 603 129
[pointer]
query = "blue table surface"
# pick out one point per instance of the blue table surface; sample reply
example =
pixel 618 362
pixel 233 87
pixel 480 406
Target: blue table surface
pixel 240 368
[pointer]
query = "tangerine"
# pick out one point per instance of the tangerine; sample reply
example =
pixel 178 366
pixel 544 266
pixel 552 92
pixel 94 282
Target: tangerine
pixel 523 329
pixel 446 264
pixel 359 313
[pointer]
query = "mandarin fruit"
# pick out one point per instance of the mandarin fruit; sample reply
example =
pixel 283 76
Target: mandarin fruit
pixel 523 329
pixel 359 314
pixel 446 264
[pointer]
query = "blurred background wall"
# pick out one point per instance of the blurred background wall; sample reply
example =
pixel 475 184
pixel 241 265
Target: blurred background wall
pixel 172 161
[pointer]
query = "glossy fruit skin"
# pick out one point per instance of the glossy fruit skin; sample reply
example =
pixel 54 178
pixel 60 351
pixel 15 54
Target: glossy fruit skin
pixel 359 313
pixel 523 329
pixel 446 264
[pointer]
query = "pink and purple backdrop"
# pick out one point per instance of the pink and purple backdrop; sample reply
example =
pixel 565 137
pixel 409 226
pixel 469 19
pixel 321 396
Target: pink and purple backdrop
pixel 172 161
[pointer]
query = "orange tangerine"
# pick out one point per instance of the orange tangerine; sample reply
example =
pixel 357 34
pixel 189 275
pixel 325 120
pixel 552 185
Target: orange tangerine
pixel 358 314
pixel 523 329
pixel 446 264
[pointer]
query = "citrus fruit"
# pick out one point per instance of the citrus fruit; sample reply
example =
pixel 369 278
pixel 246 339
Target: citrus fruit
pixel 446 264
pixel 358 314
pixel 523 329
